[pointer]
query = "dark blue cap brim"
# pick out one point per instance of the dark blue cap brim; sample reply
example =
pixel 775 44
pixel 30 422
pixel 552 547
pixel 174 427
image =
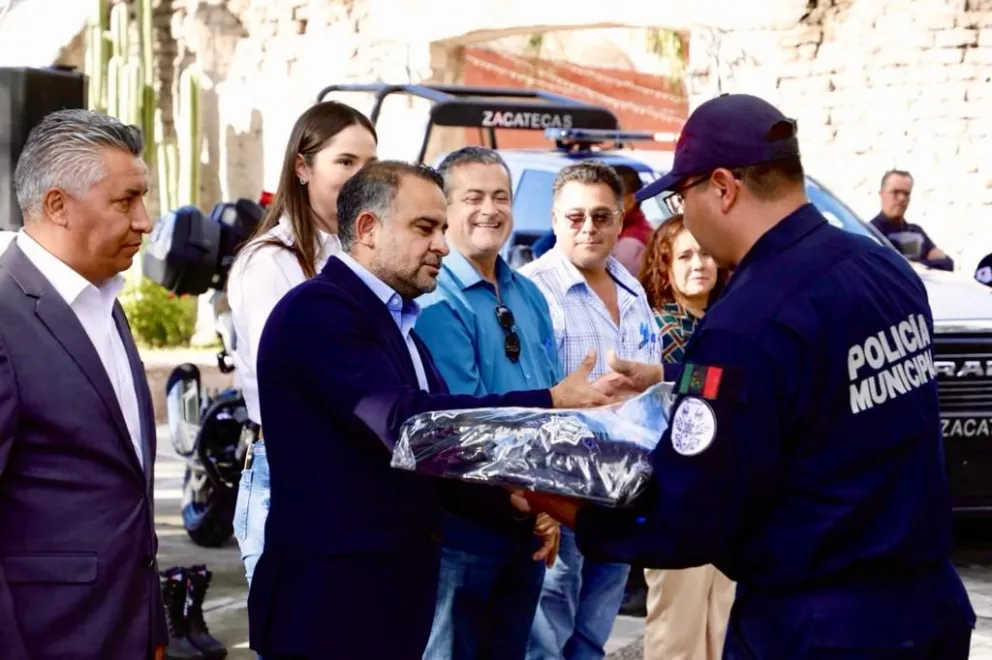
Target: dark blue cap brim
pixel 658 186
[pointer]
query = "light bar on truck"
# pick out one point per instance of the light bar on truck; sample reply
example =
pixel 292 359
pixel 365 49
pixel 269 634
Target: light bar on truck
pixel 596 136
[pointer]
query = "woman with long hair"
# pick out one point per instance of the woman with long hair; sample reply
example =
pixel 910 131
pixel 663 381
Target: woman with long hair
pixel 328 144
pixel 687 609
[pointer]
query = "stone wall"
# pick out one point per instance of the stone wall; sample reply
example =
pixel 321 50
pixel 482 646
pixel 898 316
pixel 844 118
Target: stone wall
pixel 265 61
pixel 878 85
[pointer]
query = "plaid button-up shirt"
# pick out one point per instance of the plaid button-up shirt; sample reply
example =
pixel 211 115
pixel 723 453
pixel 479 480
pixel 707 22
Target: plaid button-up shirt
pixel 581 321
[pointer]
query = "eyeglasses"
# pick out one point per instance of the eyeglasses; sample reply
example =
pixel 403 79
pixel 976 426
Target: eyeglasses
pixel 601 217
pixel 511 342
pixel 676 201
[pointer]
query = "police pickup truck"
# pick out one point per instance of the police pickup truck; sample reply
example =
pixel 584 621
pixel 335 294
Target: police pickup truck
pixel 962 308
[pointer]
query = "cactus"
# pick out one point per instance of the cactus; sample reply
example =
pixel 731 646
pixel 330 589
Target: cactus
pixel 146 96
pixel 165 189
pixel 119 26
pixel 97 54
pixel 120 66
pixel 188 133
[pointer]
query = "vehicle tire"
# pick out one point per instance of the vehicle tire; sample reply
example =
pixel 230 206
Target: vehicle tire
pixel 208 517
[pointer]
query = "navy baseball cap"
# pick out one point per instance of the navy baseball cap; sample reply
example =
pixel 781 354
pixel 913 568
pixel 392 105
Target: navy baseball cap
pixel 732 130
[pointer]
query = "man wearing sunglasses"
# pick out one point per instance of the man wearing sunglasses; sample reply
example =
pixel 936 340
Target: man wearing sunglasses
pixel 489 331
pixel 595 304
pixel 804 454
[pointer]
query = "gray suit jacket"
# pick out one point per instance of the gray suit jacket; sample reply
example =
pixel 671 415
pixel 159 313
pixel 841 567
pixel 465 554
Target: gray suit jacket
pixel 78 576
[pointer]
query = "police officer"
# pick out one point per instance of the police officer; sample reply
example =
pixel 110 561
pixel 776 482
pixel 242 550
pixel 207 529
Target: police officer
pixel 804 455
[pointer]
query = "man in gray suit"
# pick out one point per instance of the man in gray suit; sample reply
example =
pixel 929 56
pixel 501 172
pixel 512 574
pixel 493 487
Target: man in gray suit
pixel 78 576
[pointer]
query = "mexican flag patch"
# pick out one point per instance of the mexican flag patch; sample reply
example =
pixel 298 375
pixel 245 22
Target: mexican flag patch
pixel 700 381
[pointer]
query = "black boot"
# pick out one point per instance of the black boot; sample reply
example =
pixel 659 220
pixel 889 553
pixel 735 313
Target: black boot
pixel 174 593
pixel 197 583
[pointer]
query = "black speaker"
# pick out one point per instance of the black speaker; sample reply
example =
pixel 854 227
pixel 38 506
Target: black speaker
pixel 27 95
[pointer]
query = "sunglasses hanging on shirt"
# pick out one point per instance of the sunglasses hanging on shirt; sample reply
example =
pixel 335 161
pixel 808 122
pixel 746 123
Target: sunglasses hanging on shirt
pixel 511 342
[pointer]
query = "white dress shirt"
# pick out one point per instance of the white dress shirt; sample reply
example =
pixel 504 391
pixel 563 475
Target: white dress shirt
pixel 404 313
pixel 581 320
pixel 260 276
pixel 94 307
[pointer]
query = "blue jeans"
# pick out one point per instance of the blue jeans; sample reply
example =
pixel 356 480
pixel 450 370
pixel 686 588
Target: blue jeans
pixel 488 588
pixel 579 604
pixel 252 508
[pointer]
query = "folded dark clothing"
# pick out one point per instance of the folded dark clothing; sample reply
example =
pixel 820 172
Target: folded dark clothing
pixel 601 455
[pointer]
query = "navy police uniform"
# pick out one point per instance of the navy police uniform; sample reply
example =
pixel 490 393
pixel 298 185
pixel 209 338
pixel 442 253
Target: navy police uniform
pixel 804 456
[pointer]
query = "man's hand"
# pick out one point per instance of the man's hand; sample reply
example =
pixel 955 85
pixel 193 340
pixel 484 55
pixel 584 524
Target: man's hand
pixel 159 653
pixel 627 378
pixel 562 509
pixel 550 531
pixel 574 391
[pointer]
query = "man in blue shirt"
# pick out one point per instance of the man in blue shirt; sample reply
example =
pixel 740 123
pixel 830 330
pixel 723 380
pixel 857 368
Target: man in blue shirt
pixel 910 239
pixel 804 454
pixel 489 331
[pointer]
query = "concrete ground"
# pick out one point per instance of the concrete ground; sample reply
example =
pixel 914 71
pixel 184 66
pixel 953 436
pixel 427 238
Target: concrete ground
pixel 226 605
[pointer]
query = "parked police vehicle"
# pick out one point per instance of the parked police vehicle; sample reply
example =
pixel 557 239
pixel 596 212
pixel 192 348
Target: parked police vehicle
pixel 962 308
pixel 189 253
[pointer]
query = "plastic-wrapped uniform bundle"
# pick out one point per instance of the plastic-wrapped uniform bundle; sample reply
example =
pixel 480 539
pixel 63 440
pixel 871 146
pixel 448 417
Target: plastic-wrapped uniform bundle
pixel 598 454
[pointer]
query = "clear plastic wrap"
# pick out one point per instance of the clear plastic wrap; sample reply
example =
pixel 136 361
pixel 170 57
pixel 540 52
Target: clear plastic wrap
pixel 598 454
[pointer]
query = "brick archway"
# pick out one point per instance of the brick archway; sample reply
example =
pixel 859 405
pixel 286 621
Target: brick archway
pixel 640 101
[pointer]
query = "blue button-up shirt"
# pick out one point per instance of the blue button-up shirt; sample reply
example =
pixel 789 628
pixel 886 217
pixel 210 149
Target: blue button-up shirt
pixel 459 325
pixel 405 313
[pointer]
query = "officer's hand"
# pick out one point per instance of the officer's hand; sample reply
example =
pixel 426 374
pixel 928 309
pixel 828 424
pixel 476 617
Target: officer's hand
pixel 550 531
pixel 562 509
pixel 160 653
pixel 574 391
pixel 627 378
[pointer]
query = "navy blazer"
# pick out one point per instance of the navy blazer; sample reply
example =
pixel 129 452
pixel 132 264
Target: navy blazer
pixel 336 382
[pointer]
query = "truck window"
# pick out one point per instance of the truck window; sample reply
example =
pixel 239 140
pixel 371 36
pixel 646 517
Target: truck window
pixel 836 212
pixel 532 202
pixel 654 209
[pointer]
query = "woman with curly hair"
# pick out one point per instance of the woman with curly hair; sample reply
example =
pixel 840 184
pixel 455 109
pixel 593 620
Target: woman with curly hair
pixel 687 609
pixel 681 280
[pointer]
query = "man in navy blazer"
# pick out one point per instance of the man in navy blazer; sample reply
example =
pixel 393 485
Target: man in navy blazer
pixel 78 577
pixel 340 370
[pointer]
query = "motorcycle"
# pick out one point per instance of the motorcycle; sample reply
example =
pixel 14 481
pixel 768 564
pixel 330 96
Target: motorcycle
pixel 190 254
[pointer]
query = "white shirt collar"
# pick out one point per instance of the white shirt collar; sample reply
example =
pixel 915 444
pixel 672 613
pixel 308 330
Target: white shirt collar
pixel 289 238
pixel 571 276
pixel 69 284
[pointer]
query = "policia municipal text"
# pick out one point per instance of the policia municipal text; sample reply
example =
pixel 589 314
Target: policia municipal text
pixel 804 456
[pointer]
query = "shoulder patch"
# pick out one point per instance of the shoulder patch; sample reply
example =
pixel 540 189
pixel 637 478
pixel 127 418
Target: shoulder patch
pixel 693 426
pixel 699 380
